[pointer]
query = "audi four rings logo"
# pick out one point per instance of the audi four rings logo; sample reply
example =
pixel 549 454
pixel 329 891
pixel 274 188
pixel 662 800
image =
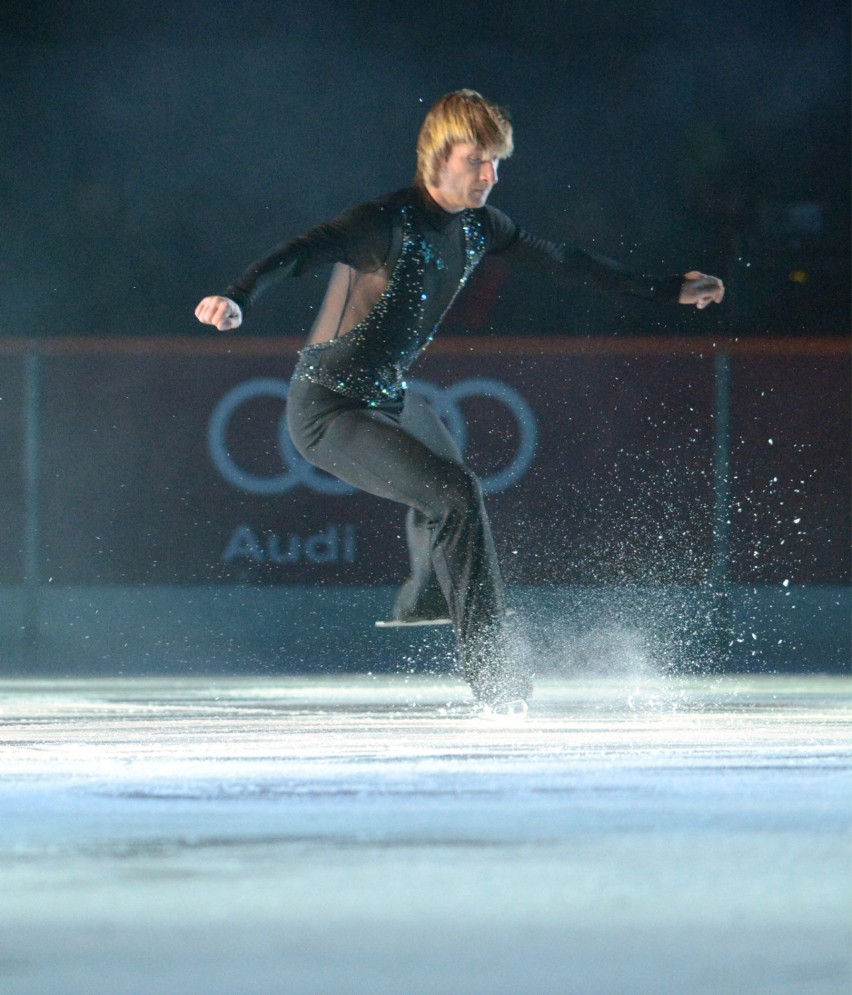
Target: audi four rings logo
pixel 297 471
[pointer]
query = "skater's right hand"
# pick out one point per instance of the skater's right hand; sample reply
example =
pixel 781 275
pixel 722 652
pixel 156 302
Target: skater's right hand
pixel 219 311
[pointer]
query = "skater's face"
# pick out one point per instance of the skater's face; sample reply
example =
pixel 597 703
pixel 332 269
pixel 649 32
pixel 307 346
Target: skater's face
pixel 466 179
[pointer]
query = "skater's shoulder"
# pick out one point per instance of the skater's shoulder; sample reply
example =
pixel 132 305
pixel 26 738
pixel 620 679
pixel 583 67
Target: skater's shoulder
pixel 378 213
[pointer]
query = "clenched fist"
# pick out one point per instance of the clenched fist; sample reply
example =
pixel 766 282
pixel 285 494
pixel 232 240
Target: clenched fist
pixel 701 290
pixel 219 311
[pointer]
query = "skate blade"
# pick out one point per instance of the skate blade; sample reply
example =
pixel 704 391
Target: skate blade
pixel 393 623
pixel 400 623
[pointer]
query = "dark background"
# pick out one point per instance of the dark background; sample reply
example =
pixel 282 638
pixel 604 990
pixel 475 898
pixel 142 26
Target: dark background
pixel 151 151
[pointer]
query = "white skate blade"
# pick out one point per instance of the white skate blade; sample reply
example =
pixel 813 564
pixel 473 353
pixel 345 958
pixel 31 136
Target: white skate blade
pixel 398 623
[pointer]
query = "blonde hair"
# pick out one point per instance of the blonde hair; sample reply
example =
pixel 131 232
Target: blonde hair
pixel 462 116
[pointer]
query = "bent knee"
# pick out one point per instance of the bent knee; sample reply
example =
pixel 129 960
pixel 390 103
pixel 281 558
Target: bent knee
pixel 460 491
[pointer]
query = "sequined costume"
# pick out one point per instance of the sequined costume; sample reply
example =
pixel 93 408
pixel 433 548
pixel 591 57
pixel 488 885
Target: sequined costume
pixel 398 264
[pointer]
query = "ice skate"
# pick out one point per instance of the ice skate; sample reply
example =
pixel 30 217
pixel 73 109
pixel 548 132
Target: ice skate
pixel 411 621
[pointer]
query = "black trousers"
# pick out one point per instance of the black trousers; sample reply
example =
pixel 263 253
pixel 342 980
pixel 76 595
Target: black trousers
pixel 405 453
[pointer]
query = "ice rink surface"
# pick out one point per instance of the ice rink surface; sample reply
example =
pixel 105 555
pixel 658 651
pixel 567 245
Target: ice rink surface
pixel 365 835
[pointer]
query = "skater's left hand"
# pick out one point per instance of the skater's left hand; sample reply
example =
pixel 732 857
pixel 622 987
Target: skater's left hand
pixel 700 289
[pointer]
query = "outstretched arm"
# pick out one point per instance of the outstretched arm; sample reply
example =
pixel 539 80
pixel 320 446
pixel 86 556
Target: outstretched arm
pixel 359 236
pixel 701 290
pixel 573 266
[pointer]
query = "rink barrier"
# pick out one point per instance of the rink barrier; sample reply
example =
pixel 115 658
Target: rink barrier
pixel 720 350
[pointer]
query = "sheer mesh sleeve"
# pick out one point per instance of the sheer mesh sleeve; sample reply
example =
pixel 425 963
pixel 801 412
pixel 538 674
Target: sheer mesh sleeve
pixel 574 267
pixel 359 237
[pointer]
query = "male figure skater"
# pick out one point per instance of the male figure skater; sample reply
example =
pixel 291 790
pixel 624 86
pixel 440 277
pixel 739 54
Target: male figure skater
pixel 398 264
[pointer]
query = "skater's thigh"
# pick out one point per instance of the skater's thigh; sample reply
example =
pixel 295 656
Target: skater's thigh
pixel 378 454
pixel 422 421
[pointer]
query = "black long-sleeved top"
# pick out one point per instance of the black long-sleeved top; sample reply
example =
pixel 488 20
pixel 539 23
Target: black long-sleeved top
pixel 399 262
